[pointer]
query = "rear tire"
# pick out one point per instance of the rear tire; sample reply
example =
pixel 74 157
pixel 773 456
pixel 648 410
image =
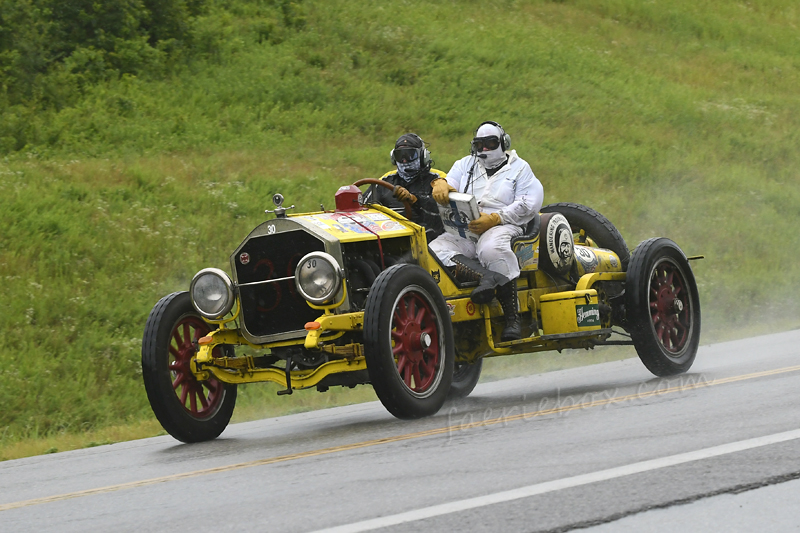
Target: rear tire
pixel 662 307
pixel 465 378
pixel 190 410
pixel 597 227
pixel 408 342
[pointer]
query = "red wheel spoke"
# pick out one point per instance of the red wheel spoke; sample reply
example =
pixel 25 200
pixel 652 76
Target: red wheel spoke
pixel 176 335
pixel 401 312
pixel 212 386
pixel 420 316
pixel 175 353
pixel 428 367
pixel 193 400
pixel 411 308
pixel 423 311
pixel 674 337
pixel 402 361
pixel 417 378
pixel 664 336
pixel 407 375
pixel 202 397
pixel 198 399
pixel 212 398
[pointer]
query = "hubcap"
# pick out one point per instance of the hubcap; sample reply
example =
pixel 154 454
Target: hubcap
pixel 425 340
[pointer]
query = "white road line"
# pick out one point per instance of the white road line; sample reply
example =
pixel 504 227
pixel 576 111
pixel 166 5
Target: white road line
pixel 558 484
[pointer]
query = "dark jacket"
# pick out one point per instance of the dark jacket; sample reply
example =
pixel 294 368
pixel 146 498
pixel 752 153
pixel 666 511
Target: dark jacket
pixel 425 211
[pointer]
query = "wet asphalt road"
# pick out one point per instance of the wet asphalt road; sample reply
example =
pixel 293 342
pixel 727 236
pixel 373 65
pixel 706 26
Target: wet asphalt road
pixel 608 447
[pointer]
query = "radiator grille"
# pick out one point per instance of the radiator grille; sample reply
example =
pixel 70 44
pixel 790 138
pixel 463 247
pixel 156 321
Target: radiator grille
pixel 270 308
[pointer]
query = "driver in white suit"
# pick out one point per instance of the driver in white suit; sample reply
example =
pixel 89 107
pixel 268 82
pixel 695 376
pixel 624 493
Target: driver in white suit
pixel 509 196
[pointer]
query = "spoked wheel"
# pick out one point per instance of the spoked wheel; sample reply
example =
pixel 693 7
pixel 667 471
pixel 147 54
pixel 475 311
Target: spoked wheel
pixel 662 307
pixel 190 410
pixel 408 342
pixel 590 227
pixel 465 379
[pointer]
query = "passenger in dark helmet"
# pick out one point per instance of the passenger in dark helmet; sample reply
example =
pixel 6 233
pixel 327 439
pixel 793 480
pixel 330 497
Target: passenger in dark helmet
pixel 412 181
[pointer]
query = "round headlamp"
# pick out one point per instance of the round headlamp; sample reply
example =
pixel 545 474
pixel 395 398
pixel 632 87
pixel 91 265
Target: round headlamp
pixel 212 293
pixel 318 277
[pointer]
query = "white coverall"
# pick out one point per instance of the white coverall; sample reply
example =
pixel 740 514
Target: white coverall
pixel 513 192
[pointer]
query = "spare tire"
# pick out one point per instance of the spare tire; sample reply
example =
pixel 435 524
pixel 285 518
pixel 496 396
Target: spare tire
pixel 556 246
pixel 594 225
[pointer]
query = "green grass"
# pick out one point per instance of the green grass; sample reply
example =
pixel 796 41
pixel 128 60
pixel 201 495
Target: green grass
pixel 676 120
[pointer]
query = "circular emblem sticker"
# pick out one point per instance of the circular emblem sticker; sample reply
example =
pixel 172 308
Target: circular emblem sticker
pixel 470 308
pixel 558 239
pixel 244 258
pixel 587 259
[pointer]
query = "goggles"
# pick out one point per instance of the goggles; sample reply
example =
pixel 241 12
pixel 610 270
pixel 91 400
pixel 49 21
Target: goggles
pixel 482 144
pixel 405 155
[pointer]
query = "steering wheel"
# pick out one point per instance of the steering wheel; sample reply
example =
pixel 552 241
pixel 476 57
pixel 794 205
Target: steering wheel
pixel 386 185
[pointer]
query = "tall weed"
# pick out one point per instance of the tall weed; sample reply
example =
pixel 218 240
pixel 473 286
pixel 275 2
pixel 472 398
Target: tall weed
pixel 676 120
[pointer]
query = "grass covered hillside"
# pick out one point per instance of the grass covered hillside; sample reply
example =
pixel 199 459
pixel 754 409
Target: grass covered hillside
pixel 141 141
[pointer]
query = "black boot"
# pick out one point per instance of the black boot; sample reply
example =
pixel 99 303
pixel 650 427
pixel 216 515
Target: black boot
pixel 471 270
pixel 507 296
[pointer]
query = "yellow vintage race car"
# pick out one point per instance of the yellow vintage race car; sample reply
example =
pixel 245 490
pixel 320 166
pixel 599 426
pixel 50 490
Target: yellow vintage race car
pixel 354 296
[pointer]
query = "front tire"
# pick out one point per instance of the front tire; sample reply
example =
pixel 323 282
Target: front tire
pixel 662 307
pixel 190 410
pixel 408 342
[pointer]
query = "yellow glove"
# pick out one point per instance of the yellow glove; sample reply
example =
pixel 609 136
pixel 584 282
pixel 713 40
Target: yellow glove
pixel 484 223
pixel 402 194
pixel 441 190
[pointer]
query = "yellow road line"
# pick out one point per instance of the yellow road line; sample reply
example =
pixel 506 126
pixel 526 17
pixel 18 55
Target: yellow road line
pixel 398 438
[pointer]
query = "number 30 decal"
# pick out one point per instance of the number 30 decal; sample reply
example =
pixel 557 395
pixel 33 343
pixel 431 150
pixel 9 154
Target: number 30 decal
pixel 270 229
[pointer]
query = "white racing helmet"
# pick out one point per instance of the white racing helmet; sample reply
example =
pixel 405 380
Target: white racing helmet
pixel 490 144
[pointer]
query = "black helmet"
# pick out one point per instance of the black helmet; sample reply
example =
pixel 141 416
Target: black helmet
pixel 409 147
